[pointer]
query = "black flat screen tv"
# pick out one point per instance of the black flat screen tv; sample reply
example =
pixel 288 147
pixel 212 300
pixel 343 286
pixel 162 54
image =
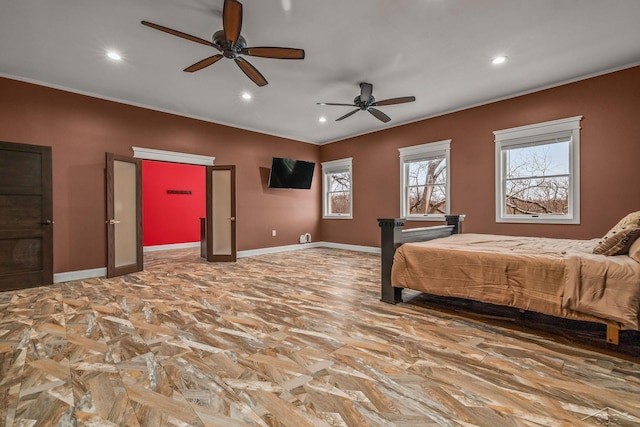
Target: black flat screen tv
pixel 290 173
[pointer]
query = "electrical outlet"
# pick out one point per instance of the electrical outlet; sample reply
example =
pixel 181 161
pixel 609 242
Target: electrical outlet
pixel 273 233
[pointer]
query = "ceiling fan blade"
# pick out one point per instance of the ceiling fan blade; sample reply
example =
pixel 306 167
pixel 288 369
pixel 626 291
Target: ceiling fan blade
pixel 366 89
pixel 251 71
pixel 178 33
pixel 379 115
pixel 347 115
pixel 393 101
pixel 204 63
pixel 274 52
pixel 333 103
pixel 232 20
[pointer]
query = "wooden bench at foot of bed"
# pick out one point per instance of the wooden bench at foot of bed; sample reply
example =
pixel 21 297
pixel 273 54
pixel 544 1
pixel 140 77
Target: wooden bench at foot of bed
pixel 393 236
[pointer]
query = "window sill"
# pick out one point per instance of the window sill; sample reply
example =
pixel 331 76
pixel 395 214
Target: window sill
pixel 537 220
pixel 338 217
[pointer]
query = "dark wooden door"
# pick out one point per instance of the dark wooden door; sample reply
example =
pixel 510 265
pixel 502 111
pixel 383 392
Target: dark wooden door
pixel 124 215
pixel 221 213
pixel 26 216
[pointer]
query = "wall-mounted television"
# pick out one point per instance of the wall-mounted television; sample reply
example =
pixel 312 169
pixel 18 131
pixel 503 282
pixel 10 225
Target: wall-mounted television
pixel 290 173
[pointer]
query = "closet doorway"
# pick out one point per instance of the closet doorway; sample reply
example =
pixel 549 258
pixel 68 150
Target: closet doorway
pixel 173 207
pixel 220 193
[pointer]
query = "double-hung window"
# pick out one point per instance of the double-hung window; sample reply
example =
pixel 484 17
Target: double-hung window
pixel 538 173
pixel 337 200
pixel 424 181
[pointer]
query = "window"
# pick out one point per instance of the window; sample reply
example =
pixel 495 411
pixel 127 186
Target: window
pixel 337 201
pixel 424 181
pixel 538 173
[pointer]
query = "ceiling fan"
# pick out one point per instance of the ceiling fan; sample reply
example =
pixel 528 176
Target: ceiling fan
pixel 232 45
pixel 365 102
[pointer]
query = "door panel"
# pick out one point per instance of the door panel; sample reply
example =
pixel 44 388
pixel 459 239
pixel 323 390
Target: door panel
pixel 221 213
pixel 124 215
pixel 20 212
pixel 26 212
pixel 20 255
pixel 221 206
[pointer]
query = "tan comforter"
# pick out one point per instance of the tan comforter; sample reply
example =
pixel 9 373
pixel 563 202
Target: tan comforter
pixel 558 277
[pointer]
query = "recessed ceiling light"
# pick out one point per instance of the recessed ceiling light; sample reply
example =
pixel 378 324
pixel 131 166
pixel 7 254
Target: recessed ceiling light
pixel 322 119
pixel 499 60
pixel 246 95
pixel 114 55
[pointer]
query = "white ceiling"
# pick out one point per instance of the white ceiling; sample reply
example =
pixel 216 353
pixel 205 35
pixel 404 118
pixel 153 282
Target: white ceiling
pixel 437 50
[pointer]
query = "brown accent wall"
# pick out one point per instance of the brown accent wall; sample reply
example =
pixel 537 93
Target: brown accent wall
pixel 81 129
pixel 610 152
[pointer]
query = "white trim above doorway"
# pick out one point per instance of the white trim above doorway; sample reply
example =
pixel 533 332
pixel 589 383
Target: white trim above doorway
pixel 172 156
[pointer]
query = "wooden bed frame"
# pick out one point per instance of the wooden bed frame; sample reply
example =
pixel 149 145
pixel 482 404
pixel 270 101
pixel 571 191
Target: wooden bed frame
pixel 393 236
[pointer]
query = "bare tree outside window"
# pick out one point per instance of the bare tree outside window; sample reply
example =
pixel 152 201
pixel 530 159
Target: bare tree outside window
pixel 426 189
pixel 537 179
pixel 339 193
pixel 538 172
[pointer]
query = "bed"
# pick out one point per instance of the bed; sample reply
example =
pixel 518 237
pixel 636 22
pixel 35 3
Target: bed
pixel 557 277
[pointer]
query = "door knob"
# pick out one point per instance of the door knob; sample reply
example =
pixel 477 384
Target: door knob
pixel 233 218
pixel 46 222
pixel 112 222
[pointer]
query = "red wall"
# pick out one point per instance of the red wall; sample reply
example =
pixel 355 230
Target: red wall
pixel 172 218
pixel 609 145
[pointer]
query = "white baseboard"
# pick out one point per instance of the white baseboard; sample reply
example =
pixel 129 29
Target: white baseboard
pixel 79 275
pixel 171 246
pixel 262 251
pixel 101 272
pixel 275 249
pixel 357 248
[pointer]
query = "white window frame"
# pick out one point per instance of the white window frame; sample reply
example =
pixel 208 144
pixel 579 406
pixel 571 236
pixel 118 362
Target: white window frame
pixel 424 152
pixel 537 134
pixel 329 168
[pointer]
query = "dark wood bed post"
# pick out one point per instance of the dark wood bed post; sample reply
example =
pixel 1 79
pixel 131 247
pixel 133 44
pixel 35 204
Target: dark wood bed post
pixel 455 221
pixel 391 237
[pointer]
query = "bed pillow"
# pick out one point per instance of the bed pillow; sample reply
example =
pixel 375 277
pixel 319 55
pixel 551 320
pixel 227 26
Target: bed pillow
pixel 634 250
pixel 618 240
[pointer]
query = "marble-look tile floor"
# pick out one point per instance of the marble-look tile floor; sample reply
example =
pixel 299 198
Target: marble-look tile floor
pixel 289 339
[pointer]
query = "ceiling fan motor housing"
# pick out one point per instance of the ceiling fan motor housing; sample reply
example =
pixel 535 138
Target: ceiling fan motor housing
pixel 220 39
pixel 363 105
